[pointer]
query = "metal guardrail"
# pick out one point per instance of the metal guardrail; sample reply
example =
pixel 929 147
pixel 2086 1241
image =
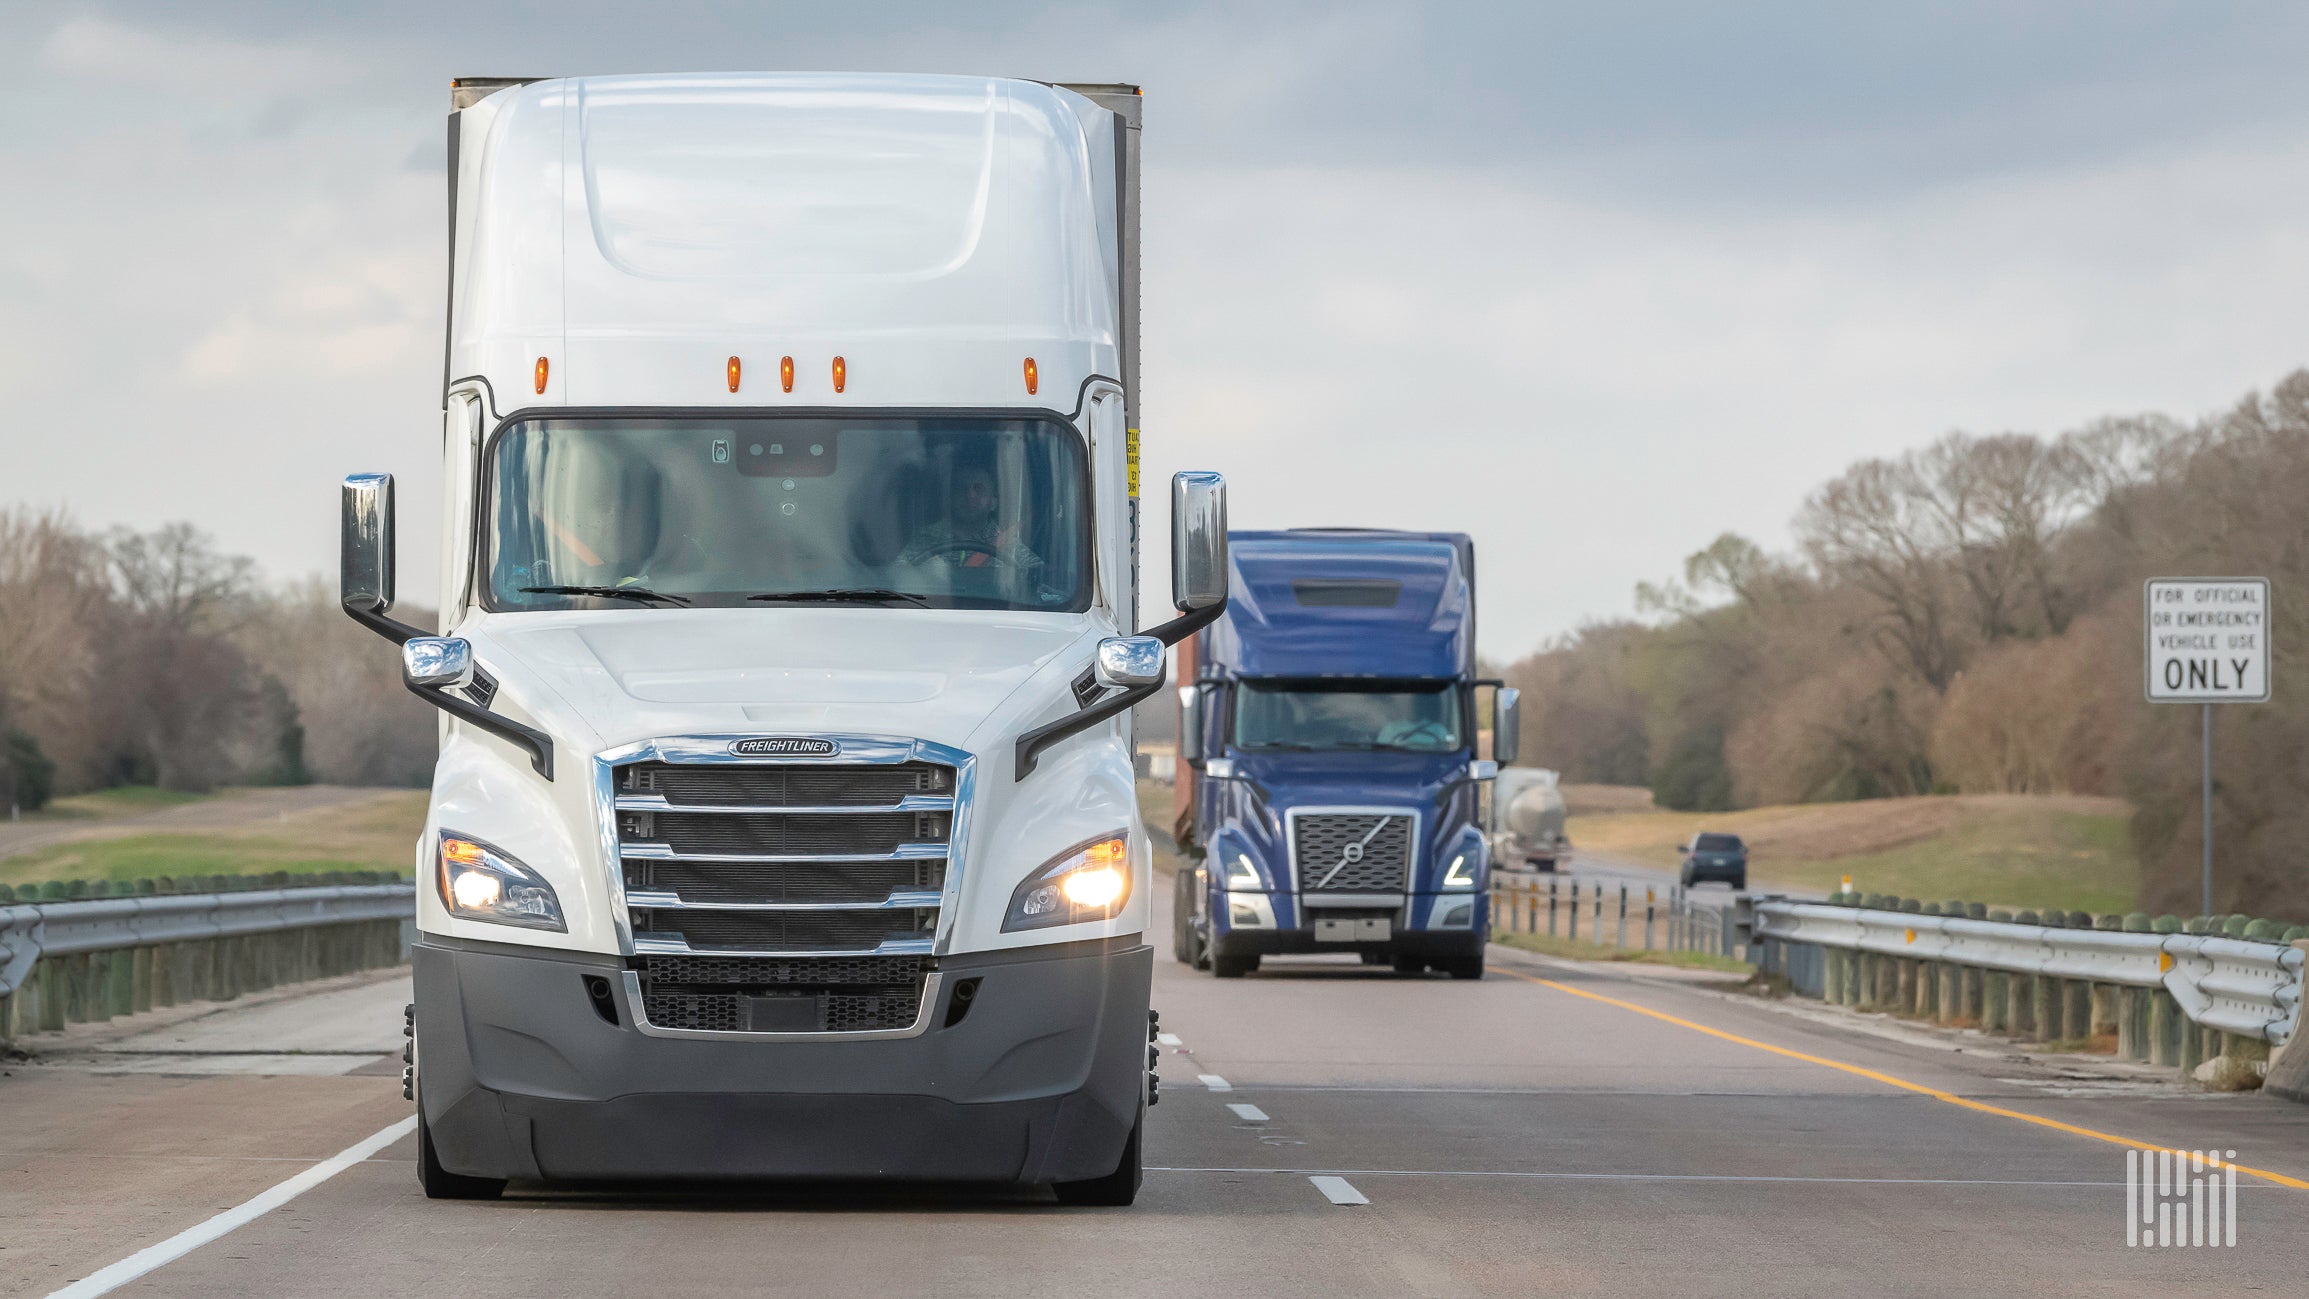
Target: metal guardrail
pixel 70 961
pixel 2235 985
pixel 2169 998
pixel 1612 911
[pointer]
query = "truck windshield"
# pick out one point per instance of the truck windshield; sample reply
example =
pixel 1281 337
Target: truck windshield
pixel 962 513
pixel 1412 716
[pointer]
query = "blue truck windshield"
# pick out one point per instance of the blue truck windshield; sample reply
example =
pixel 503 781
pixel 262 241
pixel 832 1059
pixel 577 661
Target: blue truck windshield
pixel 1413 717
pixel 963 513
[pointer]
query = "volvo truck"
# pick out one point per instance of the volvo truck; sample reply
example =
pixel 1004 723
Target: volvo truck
pixel 783 821
pixel 1330 796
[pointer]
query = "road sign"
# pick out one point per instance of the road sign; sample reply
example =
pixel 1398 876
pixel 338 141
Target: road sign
pixel 2208 640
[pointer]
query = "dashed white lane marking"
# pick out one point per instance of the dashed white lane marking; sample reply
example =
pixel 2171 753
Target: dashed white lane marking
pixel 152 1257
pixel 1338 1190
pixel 1169 1039
pixel 1249 1113
pixel 1214 1082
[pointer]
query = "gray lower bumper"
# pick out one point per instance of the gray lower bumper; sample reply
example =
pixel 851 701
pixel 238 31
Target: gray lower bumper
pixel 1039 1082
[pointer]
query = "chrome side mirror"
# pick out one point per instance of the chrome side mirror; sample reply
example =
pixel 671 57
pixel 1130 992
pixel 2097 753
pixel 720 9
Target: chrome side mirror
pixel 1506 723
pixel 365 543
pixel 437 662
pixel 1198 540
pixel 1129 661
pixel 1483 768
pixel 1190 724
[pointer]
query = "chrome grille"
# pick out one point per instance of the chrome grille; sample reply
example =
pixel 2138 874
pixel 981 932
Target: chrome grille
pixel 1351 852
pixel 827 858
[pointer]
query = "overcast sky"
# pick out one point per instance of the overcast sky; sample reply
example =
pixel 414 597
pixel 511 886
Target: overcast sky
pixel 1593 282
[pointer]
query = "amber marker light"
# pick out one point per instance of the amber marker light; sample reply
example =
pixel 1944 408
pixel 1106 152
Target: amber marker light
pixel 542 368
pixel 841 374
pixel 786 373
pixel 1033 378
pixel 733 374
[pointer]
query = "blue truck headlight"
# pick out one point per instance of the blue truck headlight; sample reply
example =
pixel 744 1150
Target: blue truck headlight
pixel 1242 875
pixel 1087 882
pixel 478 882
pixel 1461 874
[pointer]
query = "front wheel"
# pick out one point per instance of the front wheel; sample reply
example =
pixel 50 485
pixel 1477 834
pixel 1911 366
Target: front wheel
pixel 1183 916
pixel 439 1182
pixel 1463 967
pixel 1233 967
pixel 1118 1188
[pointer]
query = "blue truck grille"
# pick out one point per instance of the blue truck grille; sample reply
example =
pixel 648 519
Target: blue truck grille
pixel 1351 852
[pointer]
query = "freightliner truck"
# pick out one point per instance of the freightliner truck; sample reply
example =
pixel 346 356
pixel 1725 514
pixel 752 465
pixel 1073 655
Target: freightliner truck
pixel 1330 783
pixel 783 824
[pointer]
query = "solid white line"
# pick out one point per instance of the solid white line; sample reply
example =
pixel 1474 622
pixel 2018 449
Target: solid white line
pixel 151 1257
pixel 1249 1113
pixel 1214 1082
pixel 1169 1039
pixel 1650 1177
pixel 1338 1190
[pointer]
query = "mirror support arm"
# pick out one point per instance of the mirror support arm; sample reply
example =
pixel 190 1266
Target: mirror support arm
pixel 537 744
pixel 1186 624
pixel 1169 633
pixel 1042 737
pixel 376 620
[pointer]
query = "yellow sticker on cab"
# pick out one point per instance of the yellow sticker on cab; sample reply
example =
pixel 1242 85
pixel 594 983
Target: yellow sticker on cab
pixel 1130 448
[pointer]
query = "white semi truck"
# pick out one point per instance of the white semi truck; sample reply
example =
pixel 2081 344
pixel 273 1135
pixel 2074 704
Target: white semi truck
pixel 784 821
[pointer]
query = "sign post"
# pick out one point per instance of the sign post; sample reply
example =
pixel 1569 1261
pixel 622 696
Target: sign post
pixel 2208 643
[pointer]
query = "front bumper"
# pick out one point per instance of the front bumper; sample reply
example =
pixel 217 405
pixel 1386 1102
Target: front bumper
pixel 1448 925
pixel 1040 1081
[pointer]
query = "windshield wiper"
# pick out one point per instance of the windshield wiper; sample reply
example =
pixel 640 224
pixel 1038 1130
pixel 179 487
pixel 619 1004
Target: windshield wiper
pixel 848 594
pixel 641 593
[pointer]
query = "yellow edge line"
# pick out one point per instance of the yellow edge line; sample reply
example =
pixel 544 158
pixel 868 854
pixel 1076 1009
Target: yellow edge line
pixel 1890 1081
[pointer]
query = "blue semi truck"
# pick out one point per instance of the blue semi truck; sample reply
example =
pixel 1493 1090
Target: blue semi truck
pixel 1331 780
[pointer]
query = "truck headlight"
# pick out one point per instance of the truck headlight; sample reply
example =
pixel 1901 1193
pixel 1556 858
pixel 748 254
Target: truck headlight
pixel 1090 882
pixel 1242 875
pixel 1461 874
pixel 478 882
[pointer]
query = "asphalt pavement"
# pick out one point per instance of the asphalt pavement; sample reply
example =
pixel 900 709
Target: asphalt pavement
pixel 1326 1129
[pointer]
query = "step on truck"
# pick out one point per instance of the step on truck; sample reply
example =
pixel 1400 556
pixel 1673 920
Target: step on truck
pixel 1330 784
pixel 783 824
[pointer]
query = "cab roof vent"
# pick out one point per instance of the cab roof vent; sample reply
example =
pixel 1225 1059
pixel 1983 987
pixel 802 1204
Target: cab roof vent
pixel 1332 593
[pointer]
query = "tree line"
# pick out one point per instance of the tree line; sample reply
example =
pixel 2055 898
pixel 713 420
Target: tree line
pixel 154 658
pixel 1964 618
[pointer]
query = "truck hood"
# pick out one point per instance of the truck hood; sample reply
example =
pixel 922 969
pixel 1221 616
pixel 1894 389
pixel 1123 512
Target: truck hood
pixel 933 674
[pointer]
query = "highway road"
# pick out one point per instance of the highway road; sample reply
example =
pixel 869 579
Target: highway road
pixel 1555 1129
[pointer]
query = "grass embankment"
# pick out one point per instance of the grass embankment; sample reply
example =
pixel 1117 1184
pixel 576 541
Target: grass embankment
pixel 1574 949
pixel 2012 850
pixel 376 835
pixel 126 800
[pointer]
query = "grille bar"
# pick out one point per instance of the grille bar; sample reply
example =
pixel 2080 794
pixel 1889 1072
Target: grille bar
pixel 674 902
pixel 676 945
pixel 647 851
pixel 910 803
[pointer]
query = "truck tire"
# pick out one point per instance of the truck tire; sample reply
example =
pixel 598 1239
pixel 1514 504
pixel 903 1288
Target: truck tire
pixel 1463 967
pixel 1182 917
pixel 439 1182
pixel 1233 967
pixel 1409 964
pixel 1115 1190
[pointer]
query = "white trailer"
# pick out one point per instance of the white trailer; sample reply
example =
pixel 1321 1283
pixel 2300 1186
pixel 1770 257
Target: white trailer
pixel 784 822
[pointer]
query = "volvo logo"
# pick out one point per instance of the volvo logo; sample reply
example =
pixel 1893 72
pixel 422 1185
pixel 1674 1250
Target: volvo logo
pixel 787 746
pixel 1351 854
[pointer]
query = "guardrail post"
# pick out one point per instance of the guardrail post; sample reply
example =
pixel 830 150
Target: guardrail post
pixel 1623 930
pixel 1575 911
pixel 1648 895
